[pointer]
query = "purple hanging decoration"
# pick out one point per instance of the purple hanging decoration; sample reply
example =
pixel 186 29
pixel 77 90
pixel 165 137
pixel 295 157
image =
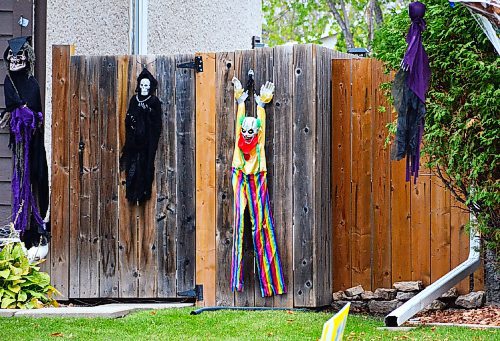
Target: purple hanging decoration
pixel 409 90
pixel 23 124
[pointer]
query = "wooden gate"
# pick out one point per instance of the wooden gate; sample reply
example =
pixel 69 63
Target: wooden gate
pixel 102 246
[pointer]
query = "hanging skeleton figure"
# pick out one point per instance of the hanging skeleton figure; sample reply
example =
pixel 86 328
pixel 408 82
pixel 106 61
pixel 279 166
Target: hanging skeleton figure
pixel 250 187
pixel 23 115
pixel 142 132
pixel 408 90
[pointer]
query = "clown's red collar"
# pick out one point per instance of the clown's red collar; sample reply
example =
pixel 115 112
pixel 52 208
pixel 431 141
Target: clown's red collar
pixel 247 147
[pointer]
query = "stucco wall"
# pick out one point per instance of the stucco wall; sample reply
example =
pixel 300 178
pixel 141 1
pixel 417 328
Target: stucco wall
pixel 102 27
pixel 208 26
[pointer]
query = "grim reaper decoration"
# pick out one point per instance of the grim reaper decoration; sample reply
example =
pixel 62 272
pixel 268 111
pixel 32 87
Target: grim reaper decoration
pixel 409 89
pixel 142 131
pixel 23 115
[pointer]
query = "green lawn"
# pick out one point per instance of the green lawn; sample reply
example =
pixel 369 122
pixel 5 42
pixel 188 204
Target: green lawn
pixel 176 324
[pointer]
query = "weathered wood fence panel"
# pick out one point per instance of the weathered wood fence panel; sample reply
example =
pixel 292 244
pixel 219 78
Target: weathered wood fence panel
pixel 102 245
pixel 384 228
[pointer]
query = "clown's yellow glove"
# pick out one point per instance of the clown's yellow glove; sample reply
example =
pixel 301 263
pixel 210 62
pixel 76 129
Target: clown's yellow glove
pixel 239 95
pixel 266 94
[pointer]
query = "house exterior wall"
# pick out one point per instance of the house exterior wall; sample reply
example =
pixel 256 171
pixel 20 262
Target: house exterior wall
pixel 101 28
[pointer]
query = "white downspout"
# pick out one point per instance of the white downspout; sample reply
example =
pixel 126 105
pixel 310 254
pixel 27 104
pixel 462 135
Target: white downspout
pixel 439 287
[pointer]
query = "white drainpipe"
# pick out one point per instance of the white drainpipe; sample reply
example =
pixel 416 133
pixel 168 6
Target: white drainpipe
pixel 439 287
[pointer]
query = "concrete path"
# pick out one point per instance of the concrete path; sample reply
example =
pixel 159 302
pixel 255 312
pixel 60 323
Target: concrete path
pixel 106 311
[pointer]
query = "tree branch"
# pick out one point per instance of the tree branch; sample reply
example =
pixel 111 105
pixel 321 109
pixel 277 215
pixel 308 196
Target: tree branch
pixel 343 22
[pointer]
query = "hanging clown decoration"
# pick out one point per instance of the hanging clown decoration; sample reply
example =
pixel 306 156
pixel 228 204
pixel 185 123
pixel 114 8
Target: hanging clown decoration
pixel 23 116
pixel 142 132
pixel 409 90
pixel 250 187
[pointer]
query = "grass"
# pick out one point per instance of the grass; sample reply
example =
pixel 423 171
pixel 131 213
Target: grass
pixel 175 324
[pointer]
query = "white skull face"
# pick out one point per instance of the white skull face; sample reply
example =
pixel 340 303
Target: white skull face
pixel 16 62
pixel 145 85
pixel 249 128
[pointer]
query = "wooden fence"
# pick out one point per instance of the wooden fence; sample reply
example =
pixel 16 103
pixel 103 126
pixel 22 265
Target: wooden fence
pixel 385 229
pixel 343 212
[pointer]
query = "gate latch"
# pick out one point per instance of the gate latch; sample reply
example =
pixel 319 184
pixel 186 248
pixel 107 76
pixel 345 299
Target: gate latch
pixel 197 292
pixel 197 65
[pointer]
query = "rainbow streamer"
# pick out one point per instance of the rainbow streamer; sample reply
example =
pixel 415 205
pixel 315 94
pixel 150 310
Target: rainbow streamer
pixel 252 189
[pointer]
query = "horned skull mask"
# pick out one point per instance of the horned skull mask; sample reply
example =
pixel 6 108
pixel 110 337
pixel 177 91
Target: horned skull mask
pixel 249 128
pixel 145 86
pixel 17 61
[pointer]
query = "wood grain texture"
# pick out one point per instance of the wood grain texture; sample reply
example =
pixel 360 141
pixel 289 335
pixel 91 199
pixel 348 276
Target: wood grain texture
pixel 60 170
pixel 225 125
pixel 74 176
pixel 205 178
pixel 341 173
pixel 361 172
pixel 440 229
pixel 421 230
pixel 323 240
pixel 459 239
pixel 304 136
pixel 127 69
pixel 186 207
pixel 381 114
pixel 166 180
pixel 282 200
pixel 108 187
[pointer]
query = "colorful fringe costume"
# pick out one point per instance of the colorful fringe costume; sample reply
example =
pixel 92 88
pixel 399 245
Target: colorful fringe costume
pixel 250 186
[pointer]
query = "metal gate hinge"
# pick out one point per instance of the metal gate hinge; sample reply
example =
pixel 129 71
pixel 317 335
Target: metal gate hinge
pixel 197 65
pixel 197 292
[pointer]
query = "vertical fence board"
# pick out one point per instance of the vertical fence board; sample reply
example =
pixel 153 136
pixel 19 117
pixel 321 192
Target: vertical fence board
pixel 147 253
pixel 108 215
pixel 440 229
pixel 341 172
pixel 128 235
pixel 282 199
pixel 74 176
pixel 166 180
pixel 304 135
pixel 263 67
pixel 60 171
pixel 225 125
pixel 186 208
pixel 381 267
pixel 459 239
pixel 421 230
pixel 205 178
pixel 323 152
pixel 244 61
pixel 88 229
pixel 361 173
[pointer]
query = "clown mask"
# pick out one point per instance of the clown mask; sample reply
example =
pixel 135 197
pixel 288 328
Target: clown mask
pixel 249 128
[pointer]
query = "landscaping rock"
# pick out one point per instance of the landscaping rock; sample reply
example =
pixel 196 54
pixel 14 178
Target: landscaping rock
pixel 357 290
pixel 436 305
pixel 452 293
pixel 339 295
pixel 408 286
pixel 404 296
pixel 337 305
pixel 383 307
pixel 471 300
pixel 353 298
pixel 385 294
pixel 359 307
pixel 367 295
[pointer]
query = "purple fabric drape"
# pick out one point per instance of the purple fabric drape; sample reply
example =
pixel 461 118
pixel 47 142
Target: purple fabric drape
pixel 23 124
pixel 415 59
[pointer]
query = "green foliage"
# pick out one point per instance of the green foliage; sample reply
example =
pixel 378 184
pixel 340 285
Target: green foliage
pixel 307 21
pixel 462 125
pixel 22 285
